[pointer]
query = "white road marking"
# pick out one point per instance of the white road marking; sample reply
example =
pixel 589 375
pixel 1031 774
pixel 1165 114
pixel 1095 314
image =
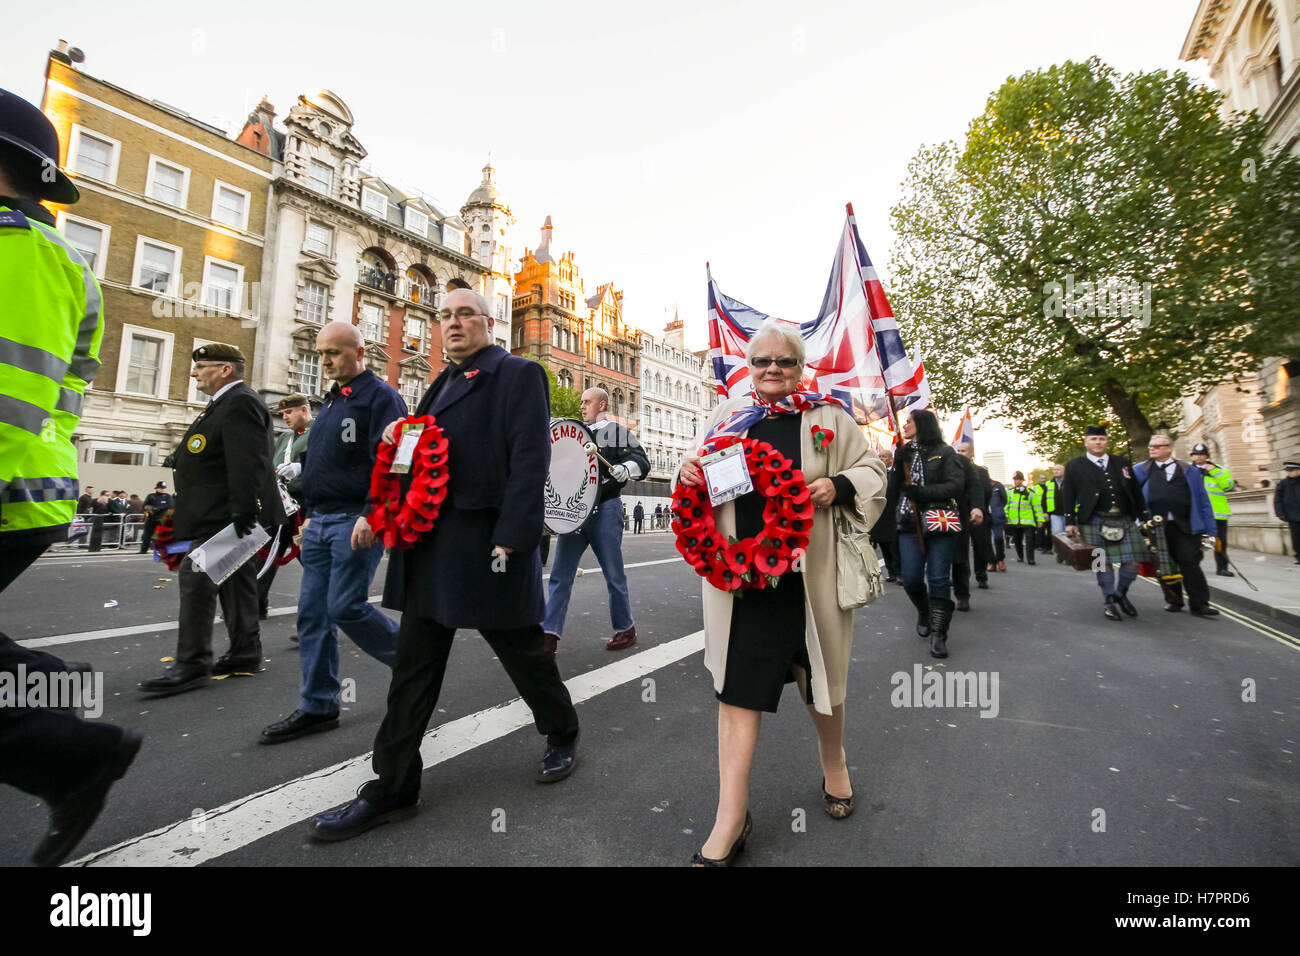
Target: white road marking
pixel 129 630
pixel 250 818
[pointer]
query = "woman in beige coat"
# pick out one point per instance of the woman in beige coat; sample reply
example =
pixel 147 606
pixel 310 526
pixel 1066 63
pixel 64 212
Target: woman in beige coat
pixel 756 643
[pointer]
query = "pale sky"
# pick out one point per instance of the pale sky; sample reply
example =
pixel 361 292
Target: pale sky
pixel 658 137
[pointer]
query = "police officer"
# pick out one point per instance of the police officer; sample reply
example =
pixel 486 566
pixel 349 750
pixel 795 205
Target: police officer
pixel 1023 517
pixel 1218 482
pixel 295 411
pixel 223 476
pixel 156 504
pixel 1286 504
pixel 1048 492
pixel 603 529
pixel 50 333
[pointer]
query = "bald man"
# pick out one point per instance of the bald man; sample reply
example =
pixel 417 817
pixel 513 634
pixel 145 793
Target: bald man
pixel 339 551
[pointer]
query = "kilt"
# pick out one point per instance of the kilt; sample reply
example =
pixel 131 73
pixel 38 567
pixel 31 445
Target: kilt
pixel 1130 548
pixel 1160 556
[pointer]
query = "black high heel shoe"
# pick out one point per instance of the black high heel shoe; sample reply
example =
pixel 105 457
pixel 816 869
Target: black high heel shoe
pixel 837 807
pixel 699 859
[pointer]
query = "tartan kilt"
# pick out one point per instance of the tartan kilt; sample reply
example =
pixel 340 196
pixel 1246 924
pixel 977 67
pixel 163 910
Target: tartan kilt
pixel 1130 548
pixel 1160 556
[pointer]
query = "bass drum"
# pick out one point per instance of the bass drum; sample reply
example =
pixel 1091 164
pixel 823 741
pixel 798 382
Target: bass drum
pixel 573 483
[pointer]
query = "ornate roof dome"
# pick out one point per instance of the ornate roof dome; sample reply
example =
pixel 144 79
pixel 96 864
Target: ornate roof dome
pixel 487 193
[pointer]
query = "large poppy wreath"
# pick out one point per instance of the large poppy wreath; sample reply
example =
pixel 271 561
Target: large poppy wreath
pixel 398 520
pixel 756 562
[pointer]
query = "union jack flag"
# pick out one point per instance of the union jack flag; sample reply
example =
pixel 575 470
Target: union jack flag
pixel 965 430
pixel 855 352
pixel 941 520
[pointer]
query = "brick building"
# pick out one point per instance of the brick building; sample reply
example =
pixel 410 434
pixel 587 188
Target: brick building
pixel 583 339
pixel 171 220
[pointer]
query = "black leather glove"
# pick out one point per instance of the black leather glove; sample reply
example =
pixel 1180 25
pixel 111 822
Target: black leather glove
pixel 169 461
pixel 243 523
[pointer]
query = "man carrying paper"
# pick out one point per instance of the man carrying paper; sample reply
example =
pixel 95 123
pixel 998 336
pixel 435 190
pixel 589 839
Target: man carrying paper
pixel 223 477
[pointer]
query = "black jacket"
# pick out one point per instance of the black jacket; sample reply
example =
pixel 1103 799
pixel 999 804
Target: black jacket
pixel 1286 499
pixel 496 417
pixel 222 467
pixel 343 442
pixel 945 481
pixel 1084 483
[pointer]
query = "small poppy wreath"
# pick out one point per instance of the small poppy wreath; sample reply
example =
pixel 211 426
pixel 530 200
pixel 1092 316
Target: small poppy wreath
pixel 288 554
pixel 822 437
pixel 747 563
pixel 398 520
pixel 164 534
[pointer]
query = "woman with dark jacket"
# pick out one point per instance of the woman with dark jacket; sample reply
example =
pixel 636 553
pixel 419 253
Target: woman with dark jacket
pixel 926 475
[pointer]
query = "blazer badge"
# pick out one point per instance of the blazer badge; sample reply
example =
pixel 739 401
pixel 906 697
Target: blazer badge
pixel 197 444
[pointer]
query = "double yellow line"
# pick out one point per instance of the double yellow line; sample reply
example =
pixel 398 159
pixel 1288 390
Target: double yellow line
pixel 1267 630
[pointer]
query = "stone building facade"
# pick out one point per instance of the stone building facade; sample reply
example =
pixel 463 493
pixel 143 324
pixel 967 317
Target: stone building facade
pixel 1253 49
pixel 677 395
pixel 583 339
pixel 345 244
pixel 172 221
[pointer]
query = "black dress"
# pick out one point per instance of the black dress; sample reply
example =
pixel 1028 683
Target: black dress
pixel 767 638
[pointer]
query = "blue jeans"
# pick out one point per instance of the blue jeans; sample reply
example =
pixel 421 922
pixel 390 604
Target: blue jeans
pixel 934 567
pixel 335 585
pixel 1058 523
pixel 604 532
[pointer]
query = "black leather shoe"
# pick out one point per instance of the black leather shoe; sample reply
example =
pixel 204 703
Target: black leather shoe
pixel 1225 573
pixel 298 724
pixel 175 681
pixel 244 667
pixel 1112 611
pixel 1173 607
pixel 355 818
pixel 1126 605
pixel 558 762
pixel 1206 611
pixel 963 604
pixel 73 816
pixel 699 859
pixel 982 584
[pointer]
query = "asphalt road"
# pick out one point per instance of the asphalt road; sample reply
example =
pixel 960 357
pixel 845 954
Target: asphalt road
pixel 1113 744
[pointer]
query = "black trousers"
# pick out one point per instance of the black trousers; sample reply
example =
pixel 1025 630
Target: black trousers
pixel 961 580
pixel 1221 552
pixel 199 596
pixel 150 525
pixel 1295 540
pixel 423 646
pixel 893 562
pixel 1045 538
pixel 637 525
pixel 981 545
pixel 1185 549
pixel 1022 536
pixel 999 550
pixel 17 557
pixel 48 753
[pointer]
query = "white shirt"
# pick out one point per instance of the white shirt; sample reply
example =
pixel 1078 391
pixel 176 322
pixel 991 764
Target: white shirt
pixel 1103 461
pixel 223 389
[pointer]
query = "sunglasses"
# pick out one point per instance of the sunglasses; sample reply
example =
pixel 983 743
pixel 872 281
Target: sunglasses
pixel 764 362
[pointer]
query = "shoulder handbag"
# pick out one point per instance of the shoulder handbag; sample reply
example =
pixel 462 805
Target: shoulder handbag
pixel 858 581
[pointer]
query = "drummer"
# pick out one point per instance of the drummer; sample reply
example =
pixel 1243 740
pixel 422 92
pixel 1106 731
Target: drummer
pixel 624 460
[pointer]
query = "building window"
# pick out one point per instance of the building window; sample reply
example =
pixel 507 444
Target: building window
pixel 417 287
pixel 567 301
pixel 519 336
pixel 453 239
pixel 144 362
pixel 412 389
pixel 415 333
pixel 320 239
pixel 116 453
pixel 372 322
pixel 167 182
pixel 93 154
pixel 315 301
pixel 89 238
pixel 230 205
pixel 157 266
pixel 416 222
pixel 222 283
pixel 374 202
pixel 320 176
pixel 306 371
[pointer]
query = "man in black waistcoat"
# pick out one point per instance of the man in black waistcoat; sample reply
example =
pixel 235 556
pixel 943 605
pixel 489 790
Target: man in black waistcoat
pixel 1101 502
pixel 478 567
pixel 223 476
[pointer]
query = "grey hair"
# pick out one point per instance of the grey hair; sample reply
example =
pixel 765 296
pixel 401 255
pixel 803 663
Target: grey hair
pixel 604 395
pixel 789 333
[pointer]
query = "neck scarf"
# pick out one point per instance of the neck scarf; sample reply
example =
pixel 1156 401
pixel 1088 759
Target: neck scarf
pixel 744 418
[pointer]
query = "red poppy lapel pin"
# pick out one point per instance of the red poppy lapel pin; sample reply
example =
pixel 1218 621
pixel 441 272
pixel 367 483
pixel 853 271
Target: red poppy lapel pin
pixel 471 373
pixel 822 437
pixel 347 391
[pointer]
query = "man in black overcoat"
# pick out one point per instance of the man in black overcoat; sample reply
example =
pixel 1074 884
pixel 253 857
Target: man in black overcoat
pixel 974 532
pixel 478 567
pixel 223 476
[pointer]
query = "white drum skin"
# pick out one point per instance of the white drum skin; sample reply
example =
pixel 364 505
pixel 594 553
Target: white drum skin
pixel 573 482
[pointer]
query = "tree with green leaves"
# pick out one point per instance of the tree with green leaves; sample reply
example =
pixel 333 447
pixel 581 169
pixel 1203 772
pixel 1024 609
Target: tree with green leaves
pixel 565 402
pixel 1099 247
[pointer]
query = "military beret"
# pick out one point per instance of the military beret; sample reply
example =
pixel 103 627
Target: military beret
pixel 1095 430
pixel 218 352
pixel 296 400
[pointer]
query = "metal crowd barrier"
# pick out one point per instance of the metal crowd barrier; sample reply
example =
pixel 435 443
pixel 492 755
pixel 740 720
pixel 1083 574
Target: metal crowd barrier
pixel 95 533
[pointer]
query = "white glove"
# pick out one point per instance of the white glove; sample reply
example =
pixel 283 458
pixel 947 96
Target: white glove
pixel 289 471
pixel 620 473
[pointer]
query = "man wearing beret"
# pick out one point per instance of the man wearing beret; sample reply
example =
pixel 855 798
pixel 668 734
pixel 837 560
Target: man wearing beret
pixel 223 475
pixel 295 411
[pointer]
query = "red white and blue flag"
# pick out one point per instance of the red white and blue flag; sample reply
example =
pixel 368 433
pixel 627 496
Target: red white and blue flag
pixel 965 430
pixel 942 520
pixel 854 349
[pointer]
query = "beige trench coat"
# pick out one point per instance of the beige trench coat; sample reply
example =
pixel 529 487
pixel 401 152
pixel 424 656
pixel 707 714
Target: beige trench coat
pixel 829 632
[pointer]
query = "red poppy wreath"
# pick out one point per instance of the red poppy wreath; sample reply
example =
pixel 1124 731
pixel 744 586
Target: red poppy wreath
pixel 398 520
pixel 747 563
pixel 164 536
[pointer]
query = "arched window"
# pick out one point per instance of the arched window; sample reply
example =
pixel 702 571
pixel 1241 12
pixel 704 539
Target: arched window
pixel 659 384
pixel 618 403
pixel 418 286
